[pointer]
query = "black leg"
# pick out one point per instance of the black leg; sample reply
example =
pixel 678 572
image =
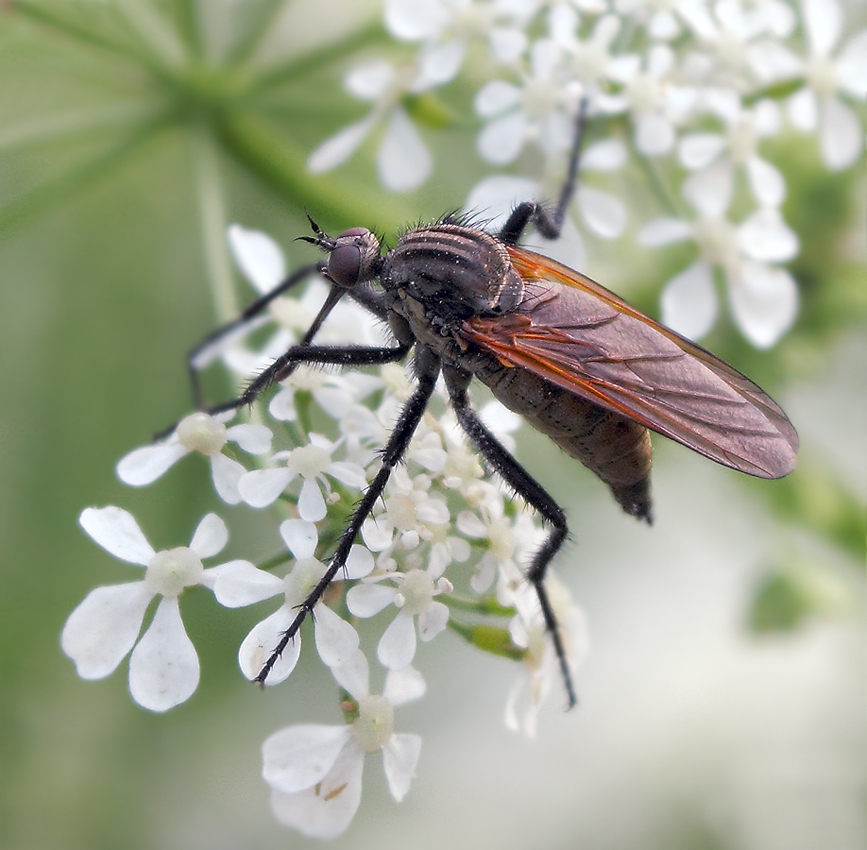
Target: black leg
pixel 548 223
pixel 321 355
pixel 427 370
pixel 200 352
pixel 501 462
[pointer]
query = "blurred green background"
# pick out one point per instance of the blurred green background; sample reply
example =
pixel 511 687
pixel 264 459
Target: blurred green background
pixel 723 702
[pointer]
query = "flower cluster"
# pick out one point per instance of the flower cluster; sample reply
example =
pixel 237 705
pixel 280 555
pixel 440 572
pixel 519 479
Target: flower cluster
pixel 402 571
pixel 690 89
pixel 694 86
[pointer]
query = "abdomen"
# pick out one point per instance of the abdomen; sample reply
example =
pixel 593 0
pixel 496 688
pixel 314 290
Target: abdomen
pixel 615 448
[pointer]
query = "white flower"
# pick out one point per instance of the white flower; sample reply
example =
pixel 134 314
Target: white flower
pixel 764 299
pixel 602 213
pixel 312 463
pixel 739 147
pixel 735 38
pixel 315 771
pixel 403 161
pixel 541 671
pixel 505 539
pixel 163 667
pixel 207 435
pixel 841 137
pixel 654 102
pixel 446 28
pixel 540 110
pixel 414 597
pixel 409 513
pixel 242 584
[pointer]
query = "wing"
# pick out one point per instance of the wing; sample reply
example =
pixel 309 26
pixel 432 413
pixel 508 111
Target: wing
pixel 576 334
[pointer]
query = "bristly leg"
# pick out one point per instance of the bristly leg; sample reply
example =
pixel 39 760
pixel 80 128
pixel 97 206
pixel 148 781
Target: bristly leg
pixel 427 370
pixel 501 462
pixel 547 223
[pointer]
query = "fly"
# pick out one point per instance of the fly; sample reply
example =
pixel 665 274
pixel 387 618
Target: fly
pixel 577 362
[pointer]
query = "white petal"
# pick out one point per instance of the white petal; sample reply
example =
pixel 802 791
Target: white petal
pixel 311 505
pixel 118 533
pixel 607 155
pixel 699 150
pixel 143 466
pixel 296 758
pixel 823 21
pixel 851 65
pixel 348 473
pixel 336 640
pixel 336 150
pixel 164 667
pixel 258 256
pixel 603 213
pixel 367 600
pixel 396 647
pixel 663 25
pixel 496 197
pixel 253 439
pixel 399 758
pixel 432 620
pixel 261 487
pixel 403 686
pixel 369 80
pixel 210 537
pixel 764 302
pixel 354 675
pixel 377 536
pixel 771 61
pixel 402 161
pixel 654 134
pixel 325 810
pixel 766 237
pixel 841 139
pixel 660 60
pixel 501 140
pixel 623 68
pixel 689 301
pixel 766 182
pixel 471 525
pixel 282 406
pixel 413 20
pixel 507 44
pixel 359 562
pixel 496 97
pixel 433 512
pixel 300 537
pixel 262 641
pixel 664 231
pixel 239 583
pixel 767 118
pixel 104 628
pixel 439 63
pixel 710 191
pixel 804 110
pixel 226 474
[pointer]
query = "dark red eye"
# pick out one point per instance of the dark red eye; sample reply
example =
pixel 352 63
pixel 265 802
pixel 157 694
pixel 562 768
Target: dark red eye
pixel 344 265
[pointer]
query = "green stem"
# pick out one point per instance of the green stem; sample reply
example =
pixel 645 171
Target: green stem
pixel 309 63
pixel 282 166
pixel 486 606
pixel 212 217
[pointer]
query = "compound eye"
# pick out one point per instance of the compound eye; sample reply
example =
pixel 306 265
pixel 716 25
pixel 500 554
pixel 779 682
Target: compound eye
pixel 344 265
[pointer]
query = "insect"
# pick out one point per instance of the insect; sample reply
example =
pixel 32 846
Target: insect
pixel 580 364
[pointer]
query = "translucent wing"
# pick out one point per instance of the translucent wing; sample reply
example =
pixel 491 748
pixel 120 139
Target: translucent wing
pixel 576 334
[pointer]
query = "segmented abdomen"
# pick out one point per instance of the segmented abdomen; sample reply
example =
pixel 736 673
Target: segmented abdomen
pixel 618 450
